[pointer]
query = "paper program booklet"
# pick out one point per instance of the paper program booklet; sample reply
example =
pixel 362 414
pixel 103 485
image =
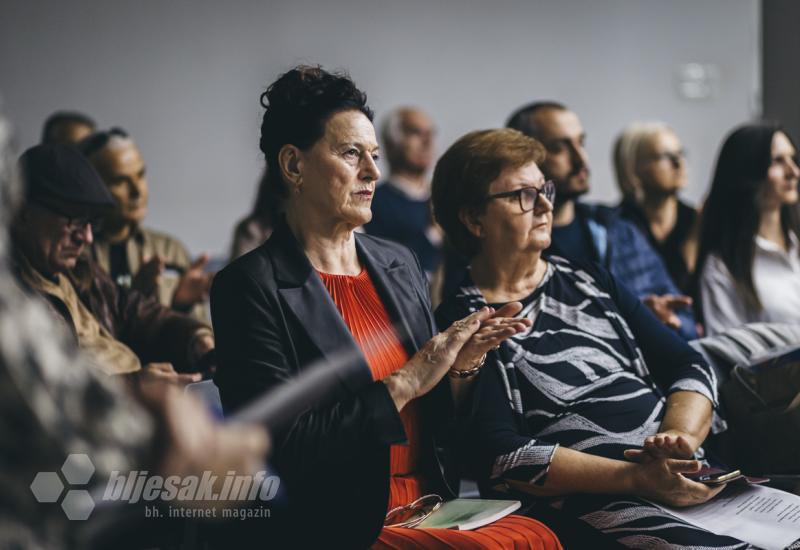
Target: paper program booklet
pixel 765 517
pixel 466 514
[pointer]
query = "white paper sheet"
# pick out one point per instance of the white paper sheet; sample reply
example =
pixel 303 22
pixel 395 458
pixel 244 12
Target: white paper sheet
pixel 762 516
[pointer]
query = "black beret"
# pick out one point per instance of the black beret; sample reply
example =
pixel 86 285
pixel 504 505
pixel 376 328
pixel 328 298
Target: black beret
pixel 62 172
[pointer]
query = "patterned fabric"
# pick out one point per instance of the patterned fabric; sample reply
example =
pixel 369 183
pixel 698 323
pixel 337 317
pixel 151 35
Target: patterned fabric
pixel 578 378
pixel 635 523
pixel 570 378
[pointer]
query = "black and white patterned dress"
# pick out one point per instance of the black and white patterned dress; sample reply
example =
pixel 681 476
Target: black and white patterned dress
pixel 591 374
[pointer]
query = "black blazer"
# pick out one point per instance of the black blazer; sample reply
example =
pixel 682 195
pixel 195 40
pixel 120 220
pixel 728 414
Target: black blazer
pixel 272 317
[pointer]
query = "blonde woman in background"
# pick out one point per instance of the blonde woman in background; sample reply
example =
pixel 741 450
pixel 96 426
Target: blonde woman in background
pixel 650 164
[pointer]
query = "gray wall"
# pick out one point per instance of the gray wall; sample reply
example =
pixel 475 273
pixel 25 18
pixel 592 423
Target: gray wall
pixel 780 51
pixel 184 76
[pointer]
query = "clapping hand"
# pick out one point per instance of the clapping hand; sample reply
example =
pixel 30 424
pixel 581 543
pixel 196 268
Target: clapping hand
pixel 665 306
pixel 494 331
pixel 193 285
pixel 147 278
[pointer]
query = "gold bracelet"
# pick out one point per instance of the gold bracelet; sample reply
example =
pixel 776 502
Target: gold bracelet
pixel 469 373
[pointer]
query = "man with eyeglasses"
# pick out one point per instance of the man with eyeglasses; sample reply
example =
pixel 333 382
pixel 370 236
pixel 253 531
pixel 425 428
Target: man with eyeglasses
pixel 152 262
pixel 120 329
pixel 582 230
pixel 401 209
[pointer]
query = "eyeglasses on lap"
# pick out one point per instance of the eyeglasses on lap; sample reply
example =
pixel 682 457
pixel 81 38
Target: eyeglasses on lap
pixel 527 196
pixel 413 514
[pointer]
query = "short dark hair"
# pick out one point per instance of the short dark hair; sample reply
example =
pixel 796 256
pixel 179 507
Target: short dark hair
pixel 98 140
pixel 524 118
pixel 298 105
pixel 63 117
pixel 464 173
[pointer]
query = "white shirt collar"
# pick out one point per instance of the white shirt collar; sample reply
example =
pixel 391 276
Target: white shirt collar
pixel 769 246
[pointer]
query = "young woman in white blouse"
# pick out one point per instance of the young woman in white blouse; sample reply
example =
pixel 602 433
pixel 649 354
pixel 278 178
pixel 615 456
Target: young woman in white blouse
pixel 749 259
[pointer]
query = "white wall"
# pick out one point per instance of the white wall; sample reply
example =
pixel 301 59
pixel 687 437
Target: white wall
pixel 184 76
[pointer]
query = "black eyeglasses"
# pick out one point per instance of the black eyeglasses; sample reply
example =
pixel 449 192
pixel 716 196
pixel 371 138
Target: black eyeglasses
pixel 527 196
pixel 74 223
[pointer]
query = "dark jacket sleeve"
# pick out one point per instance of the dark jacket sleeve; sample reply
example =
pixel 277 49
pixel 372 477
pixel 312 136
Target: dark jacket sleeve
pixel 154 332
pixel 256 353
pixel 332 459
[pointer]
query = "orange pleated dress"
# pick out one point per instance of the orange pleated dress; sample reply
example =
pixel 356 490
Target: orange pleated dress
pixel 366 317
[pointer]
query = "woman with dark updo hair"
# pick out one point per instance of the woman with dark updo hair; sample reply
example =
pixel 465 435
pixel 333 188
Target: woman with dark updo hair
pixel 317 289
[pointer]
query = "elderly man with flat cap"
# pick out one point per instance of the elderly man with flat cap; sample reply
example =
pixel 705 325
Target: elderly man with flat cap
pixel 121 329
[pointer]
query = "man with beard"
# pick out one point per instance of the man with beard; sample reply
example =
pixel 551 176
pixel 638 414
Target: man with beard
pixel 152 262
pixel 589 231
pixel 401 207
